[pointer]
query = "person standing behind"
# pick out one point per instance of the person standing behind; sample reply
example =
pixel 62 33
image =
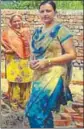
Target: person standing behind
pixel 16 43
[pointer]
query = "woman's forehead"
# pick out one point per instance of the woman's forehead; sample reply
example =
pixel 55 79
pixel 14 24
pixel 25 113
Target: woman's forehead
pixel 46 6
pixel 16 17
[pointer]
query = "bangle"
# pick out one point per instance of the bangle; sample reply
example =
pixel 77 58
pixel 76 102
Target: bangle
pixel 49 62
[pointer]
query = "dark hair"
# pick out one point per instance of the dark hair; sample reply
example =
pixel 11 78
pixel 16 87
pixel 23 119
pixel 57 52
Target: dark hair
pixel 12 17
pixel 51 2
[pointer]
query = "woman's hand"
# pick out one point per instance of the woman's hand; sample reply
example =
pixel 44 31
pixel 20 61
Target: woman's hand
pixel 7 51
pixel 38 64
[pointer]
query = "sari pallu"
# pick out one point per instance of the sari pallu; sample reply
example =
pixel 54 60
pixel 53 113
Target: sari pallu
pixel 50 86
pixel 18 41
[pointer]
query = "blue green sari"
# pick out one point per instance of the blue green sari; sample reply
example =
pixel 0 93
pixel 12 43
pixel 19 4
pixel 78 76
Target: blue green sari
pixel 49 86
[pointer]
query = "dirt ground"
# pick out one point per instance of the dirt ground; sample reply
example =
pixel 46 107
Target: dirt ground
pixel 11 119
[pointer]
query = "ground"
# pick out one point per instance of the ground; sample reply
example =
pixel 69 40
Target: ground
pixel 11 119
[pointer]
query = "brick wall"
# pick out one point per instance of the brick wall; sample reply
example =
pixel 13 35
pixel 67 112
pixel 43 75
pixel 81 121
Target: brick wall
pixel 72 19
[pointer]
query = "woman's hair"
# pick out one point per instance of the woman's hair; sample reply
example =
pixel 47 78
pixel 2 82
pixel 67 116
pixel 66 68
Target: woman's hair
pixel 51 2
pixel 12 17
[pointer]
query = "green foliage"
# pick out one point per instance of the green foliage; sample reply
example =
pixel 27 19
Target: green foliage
pixel 74 5
pixel 34 4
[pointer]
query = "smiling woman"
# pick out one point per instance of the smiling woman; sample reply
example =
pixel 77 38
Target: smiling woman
pixel 15 41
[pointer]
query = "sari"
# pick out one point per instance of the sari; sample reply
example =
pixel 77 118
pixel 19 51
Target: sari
pixel 17 70
pixel 18 39
pixel 50 86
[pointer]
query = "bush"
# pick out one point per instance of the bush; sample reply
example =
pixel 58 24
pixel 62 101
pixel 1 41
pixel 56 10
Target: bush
pixel 20 4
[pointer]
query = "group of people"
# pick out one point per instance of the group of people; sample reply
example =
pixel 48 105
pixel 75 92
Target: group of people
pixel 39 66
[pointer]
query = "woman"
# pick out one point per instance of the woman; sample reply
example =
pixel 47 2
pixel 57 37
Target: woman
pixel 15 41
pixel 52 53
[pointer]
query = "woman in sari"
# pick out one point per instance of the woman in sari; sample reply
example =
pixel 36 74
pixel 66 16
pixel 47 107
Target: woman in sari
pixel 15 41
pixel 52 50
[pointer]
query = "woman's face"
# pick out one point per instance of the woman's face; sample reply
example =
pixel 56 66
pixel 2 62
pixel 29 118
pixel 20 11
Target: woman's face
pixel 16 22
pixel 47 13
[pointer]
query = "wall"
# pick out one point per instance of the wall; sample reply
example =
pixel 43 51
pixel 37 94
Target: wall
pixel 72 19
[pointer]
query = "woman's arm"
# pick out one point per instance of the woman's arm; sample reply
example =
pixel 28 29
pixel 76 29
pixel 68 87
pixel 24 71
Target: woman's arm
pixel 4 44
pixel 5 48
pixel 7 51
pixel 70 54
